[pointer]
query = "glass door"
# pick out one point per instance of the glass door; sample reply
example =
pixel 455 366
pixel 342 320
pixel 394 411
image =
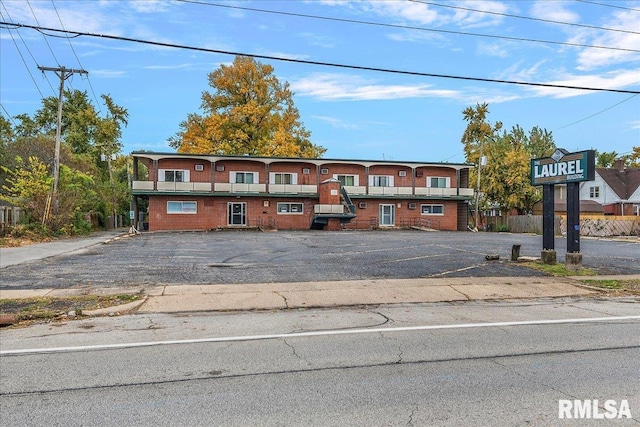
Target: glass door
pixel 237 213
pixel 387 215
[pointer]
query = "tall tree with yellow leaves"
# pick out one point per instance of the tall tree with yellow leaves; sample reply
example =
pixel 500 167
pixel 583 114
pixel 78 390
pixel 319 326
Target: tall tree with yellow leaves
pixel 250 112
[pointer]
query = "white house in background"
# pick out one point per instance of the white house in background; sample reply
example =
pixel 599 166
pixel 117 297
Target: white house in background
pixel 617 189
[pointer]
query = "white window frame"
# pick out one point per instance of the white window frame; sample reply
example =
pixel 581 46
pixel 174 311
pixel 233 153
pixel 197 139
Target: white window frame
pixel 430 208
pixel 441 180
pixel 233 176
pixel 289 208
pixel 380 180
pixel 274 176
pixel 636 209
pixel 356 179
pixel 183 172
pixel 594 192
pixel 185 207
pixel 391 215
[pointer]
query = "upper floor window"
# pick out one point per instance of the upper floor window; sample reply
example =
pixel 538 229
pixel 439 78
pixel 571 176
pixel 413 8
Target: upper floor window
pixel 350 180
pixel 283 178
pixel 243 177
pixel 381 181
pixel 438 182
pixel 594 192
pixel 173 175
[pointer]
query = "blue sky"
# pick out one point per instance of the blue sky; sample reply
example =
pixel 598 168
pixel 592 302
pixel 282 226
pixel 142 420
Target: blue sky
pixel 354 114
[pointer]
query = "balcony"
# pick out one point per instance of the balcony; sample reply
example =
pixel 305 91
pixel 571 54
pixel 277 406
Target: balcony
pixel 183 186
pixel 390 191
pixel 228 187
pixel 328 209
pixel 356 189
pixel 292 189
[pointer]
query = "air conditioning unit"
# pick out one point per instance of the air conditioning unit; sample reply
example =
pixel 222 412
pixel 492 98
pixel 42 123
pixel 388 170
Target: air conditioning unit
pixel 220 168
pixel 412 205
pixel 362 205
pixel 402 173
pixel 306 171
pixel 324 171
pixel 199 168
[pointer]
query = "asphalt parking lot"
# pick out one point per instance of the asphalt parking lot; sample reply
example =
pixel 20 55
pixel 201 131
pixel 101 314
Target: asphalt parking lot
pixel 229 257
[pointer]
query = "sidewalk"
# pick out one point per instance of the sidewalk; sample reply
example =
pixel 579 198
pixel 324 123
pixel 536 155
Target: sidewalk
pixel 21 254
pixel 276 296
pixel 279 296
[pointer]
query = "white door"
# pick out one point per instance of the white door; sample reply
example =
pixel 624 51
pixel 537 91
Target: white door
pixel 387 215
pixel 237 213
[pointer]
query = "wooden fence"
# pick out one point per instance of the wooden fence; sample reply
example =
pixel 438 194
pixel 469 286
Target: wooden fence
pixel 10 216
pixel 595 226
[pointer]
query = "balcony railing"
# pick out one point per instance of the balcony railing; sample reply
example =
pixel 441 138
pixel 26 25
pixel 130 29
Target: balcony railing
pixel 228 187
pixel 225 187
pixel 390 191
pixel 329 209
pixel 293 189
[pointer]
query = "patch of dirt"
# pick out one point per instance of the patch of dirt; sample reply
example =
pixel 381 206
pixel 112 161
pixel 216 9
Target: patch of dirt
pixel 26 311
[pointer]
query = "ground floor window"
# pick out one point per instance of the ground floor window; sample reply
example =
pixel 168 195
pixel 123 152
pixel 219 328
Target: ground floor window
pixel 290 208
pixel 432 209
pixel 182 207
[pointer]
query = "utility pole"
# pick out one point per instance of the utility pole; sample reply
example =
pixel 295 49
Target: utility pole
pixel 63 74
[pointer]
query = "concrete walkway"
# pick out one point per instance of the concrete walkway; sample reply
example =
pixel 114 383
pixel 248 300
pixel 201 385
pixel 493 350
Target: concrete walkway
pixel 275 296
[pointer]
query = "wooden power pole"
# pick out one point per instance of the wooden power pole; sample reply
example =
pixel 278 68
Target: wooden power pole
pixel 62 73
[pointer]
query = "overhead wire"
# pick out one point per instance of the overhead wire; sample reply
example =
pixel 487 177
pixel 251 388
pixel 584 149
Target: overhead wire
pixel 77 58
pixel 509 15
pixel 608 5
pixel 408 27
pixel 8 115
pixel 595 114
pixel 320 63
pixel 20 53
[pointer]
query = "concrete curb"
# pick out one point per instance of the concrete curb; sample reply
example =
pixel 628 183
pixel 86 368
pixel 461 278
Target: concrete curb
pixel 114 310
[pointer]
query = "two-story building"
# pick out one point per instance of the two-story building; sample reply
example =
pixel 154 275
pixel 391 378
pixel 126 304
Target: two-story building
pixel 203 192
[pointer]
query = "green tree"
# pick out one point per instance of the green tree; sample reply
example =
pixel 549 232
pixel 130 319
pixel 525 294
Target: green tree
pixel 28 186
pixel 505 176
pixel 605 159
pixel 249 112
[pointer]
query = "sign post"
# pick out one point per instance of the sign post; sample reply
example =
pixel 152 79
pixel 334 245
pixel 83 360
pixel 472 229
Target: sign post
pixel 570 169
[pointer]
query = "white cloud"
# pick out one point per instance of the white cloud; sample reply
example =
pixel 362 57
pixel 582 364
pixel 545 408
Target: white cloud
pixel 337 123
pixel 611 80
pixel 339 87
pixel 553 11
pixel 491 49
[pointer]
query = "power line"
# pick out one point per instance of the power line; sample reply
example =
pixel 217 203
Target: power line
pixel 608 5
pixel 21 56
pixel 8 115
pixel 77 59
pixel 319 63
pixel 595 114
pixel 43 36
pixel 407 27
pixel 508 15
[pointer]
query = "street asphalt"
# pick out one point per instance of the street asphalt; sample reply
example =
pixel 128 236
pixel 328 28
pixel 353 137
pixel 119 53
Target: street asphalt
pixel 337 269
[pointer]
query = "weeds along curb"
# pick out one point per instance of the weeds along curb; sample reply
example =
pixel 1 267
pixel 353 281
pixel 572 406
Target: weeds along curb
pixel 124 308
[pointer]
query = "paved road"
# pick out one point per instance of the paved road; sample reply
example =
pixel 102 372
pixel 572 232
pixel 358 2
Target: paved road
pixel 426 364
pixel 280 257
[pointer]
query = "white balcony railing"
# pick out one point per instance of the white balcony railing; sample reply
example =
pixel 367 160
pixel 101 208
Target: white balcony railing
pixel 356 189
pixel 390 191
pixel 293 189
pixel 142 185
pixel 328 209
pixel 228 187
pixel 183 186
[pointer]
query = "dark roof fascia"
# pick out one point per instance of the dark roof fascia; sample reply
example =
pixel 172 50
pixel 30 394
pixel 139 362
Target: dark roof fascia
pixel 296 159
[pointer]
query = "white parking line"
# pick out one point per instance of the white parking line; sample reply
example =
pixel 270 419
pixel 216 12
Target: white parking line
pixel 313 334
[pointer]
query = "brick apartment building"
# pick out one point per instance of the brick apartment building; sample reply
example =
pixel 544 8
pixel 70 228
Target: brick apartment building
pixel 204 192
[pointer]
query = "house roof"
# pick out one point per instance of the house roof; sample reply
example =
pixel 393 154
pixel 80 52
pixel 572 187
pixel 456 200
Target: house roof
pixel 623 182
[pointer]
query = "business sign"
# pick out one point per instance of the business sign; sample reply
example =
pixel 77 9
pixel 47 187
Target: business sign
pixel 563 167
